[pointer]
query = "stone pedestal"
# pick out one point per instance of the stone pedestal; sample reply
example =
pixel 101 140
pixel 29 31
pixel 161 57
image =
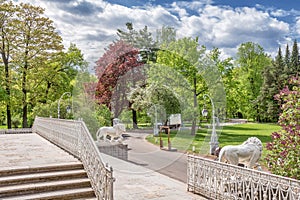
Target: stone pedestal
pixel 115 149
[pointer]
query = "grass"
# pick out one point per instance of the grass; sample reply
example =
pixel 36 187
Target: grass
pixel 229 135
pixel 3 127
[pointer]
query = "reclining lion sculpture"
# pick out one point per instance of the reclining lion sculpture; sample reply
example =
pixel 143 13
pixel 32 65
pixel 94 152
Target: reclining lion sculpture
pixel 114 132
pixel 247 153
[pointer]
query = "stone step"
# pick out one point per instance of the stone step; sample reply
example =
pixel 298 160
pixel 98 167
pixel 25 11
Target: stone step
pixel 9 171
pixel 74 194
pixel 42 177
pixel 31 188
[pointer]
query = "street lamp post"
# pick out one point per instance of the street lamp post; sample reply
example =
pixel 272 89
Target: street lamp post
pixel 214 144
pixel 155 126
pixel 58 106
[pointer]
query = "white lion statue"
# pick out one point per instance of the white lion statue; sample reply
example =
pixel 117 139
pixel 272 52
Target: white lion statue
pixel 247 153
pixel 114 132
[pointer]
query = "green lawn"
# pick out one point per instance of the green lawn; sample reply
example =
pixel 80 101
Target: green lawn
pixel 3 127
pixel 229 135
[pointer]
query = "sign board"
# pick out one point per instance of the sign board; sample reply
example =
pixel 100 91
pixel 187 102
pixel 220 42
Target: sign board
pixel 175 119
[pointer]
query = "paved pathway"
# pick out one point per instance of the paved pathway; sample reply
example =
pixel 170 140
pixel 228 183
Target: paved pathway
pixel 172 164
pixel 133 181
pixel 150 173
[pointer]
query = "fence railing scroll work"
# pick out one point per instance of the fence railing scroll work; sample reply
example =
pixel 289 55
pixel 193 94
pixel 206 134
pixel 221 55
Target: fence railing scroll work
pixel 74 137
pixel 216 180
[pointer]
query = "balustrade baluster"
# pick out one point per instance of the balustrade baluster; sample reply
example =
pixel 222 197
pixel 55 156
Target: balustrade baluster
pixel 74 137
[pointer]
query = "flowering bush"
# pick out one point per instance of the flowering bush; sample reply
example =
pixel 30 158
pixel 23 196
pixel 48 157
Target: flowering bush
pixel 284 150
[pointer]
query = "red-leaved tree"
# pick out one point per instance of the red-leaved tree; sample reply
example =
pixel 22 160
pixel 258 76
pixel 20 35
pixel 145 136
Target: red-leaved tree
pixel 117 71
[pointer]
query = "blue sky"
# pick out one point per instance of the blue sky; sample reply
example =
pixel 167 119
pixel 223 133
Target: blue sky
pixel 92 24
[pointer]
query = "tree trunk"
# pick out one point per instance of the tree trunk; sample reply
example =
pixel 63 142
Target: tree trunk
pixel 24 90
pixel 25 121
pixel 134 119
pixel 8 116
pixel 193 131
pixel 7 88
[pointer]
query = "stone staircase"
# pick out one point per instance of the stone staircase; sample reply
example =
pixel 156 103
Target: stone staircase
pixel 56 181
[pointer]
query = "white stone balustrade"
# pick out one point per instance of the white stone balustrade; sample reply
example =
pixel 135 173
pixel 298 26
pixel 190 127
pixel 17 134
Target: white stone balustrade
pixel 74 137
pixel 217 180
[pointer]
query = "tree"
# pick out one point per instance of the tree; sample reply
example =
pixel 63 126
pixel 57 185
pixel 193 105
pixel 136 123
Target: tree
pixel 119 58
pixel 143 41
pixel 165 35
pixel 62 74
pixel 37 42
pixel 38 72
pixel 284 149
pixel 63 71
pixel 251 60
pixel 222 84
pixel 295 64
pixel 7 36
pixel 287 61
pixel 183 55
pixel 159 96
pixel 274 79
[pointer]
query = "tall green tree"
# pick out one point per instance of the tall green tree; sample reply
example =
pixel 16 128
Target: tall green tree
pixel 225 70
pixel 7 36
pixel 251 60
pixel 287 57
pixel 67 72
pixel 274 79
pixel 165 35
pixel 183 55
pixel 295 63
pixel 137 38
pixel 30 52
pixel 37 42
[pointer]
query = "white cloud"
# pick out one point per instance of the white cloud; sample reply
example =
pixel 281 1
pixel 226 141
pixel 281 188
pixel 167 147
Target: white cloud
pixel 297 26
pixel 92 25
pixel 177 9
pixel 227 28
pixel 279 13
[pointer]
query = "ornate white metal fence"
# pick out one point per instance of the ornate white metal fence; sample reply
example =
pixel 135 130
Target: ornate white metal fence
pixel 217 180
pixel 74 137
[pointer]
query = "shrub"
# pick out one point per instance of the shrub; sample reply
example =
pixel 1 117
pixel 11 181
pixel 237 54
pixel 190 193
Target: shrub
pixel 284 149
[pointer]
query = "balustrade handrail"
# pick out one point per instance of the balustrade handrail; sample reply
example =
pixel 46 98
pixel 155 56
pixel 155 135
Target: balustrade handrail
pixel 16 131
pixel 218 180
pixel 74 137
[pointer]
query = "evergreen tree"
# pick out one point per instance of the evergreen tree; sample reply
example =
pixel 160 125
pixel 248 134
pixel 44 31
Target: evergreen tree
pixel 273 81
pixel 287 58
pixel 287 63
pixel 165 35
pixel 278 73
pixel 128 36
pixel 295 65
pixel 141 39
